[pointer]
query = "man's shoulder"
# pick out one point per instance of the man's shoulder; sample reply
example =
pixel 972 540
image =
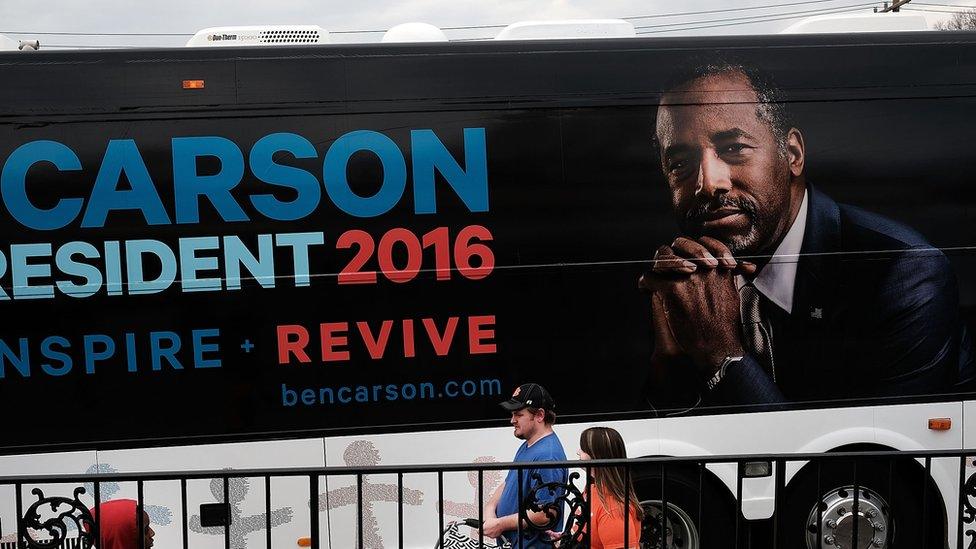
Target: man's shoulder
pixel 908 257
pixel 548 448
pixel 865 230
pixel 874 251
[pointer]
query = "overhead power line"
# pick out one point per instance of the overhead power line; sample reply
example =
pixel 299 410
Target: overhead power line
pixel 93 46
pixel 728 20
pixel 54 33
pixel 641 29
pixel 456 27
pixel 960 6
pixel 781 17
pixel 932 10
pixel 651 16
pixel 725 10
pixel 660 15
pixel 462 27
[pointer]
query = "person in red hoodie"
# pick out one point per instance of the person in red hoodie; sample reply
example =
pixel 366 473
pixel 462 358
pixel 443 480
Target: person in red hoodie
pixel 119 525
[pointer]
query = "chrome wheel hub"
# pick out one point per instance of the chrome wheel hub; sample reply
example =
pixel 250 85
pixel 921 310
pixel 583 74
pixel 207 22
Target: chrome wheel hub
pixel 838 516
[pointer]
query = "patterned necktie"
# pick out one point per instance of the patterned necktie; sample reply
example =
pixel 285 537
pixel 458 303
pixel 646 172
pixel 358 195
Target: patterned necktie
pixel 758 336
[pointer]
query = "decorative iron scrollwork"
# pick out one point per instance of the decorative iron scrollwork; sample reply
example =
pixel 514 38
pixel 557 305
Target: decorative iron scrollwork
pixel 969 510
pixel 51 517
pixel 551 498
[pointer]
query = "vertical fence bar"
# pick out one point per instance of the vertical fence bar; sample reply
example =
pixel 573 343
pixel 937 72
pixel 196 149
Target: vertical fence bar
pixel 626 512
pixel 738 501
pixel 96 535
pixel 313 502
pixel 962 499
pixel 186 532
pixel 140 521
pixel 518 521
pixel 664 506
pixel 855 508
pixel 481 505
pixel 440 506
pixel 20 513
pixel 267 510
pixel 701 502
pixel 778 488
pixel 359 509
pixel 400 510
pixel 227 517
pixel 820 503
pixel 925 502
pixel 589 507
pixel 892 505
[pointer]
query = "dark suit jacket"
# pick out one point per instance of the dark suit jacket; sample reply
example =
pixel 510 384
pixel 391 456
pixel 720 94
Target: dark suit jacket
pixel 875 314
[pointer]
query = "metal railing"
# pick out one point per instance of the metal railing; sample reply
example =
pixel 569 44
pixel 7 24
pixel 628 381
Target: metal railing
pixel 923 500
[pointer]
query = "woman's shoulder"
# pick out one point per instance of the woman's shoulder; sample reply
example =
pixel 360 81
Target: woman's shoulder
pixel 604 500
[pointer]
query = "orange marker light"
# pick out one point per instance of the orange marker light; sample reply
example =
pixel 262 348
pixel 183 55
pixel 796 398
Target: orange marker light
pixel 940 423
pixel 193 84
pixel 304 542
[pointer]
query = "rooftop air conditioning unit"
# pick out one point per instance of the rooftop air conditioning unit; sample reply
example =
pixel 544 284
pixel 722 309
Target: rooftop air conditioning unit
pixel 414 32
pixel 273 35
pixel 860 22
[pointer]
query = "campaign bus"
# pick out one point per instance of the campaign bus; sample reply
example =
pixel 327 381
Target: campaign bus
pixel 312 254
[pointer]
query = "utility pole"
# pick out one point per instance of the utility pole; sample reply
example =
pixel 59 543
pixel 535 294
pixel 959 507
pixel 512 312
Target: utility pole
pixel 894 6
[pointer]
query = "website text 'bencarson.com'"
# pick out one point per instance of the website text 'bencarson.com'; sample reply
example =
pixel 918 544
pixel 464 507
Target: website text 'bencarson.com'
pixel 390 392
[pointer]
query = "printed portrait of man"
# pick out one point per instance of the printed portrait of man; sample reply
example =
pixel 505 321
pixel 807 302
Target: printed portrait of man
pixel 771 292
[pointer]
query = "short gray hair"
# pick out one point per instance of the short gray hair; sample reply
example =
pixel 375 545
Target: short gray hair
pixel 771 106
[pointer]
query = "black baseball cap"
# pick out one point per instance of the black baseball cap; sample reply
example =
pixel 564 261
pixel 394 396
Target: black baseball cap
pixel 529 394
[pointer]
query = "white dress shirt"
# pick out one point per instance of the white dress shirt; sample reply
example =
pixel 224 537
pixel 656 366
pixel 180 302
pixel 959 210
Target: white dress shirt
pixel 778 277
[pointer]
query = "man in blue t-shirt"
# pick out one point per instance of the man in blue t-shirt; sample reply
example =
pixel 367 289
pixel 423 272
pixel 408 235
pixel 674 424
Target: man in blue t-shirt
pixel 532 417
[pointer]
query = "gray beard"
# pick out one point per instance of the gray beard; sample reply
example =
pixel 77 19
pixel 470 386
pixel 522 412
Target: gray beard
pixel 745 244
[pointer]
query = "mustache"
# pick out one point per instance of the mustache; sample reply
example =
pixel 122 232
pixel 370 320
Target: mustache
pixel 721 202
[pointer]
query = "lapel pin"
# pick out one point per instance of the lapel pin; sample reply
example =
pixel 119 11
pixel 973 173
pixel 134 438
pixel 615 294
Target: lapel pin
pixel 816 312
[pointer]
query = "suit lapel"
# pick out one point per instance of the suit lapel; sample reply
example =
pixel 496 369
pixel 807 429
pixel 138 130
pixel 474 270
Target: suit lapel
pixel 815 295
pixel 817 273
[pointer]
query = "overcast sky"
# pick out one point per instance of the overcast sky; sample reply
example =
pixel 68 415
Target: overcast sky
pixel 184 17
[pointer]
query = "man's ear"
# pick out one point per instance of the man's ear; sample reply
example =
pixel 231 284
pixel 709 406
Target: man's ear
pixel 795 151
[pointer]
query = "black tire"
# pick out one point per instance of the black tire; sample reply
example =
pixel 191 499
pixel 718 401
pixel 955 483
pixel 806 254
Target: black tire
pixel 700 497
pixel 900 484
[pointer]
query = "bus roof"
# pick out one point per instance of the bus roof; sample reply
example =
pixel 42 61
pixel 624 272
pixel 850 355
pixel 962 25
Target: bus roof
pixel 567 28
pixel 860 22
pixel 8 44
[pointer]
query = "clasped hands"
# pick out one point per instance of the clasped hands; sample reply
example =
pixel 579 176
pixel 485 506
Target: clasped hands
pixel 695 303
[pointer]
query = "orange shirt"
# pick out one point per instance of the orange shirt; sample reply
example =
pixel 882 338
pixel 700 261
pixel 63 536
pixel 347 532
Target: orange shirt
pixel 607 524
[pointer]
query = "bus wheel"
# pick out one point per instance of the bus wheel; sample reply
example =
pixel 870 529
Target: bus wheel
pixel 889 512
pixel 837 519
pixel 699 515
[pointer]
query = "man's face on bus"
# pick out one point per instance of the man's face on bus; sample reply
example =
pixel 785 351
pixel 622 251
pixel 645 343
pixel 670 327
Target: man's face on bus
pixel 729 175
